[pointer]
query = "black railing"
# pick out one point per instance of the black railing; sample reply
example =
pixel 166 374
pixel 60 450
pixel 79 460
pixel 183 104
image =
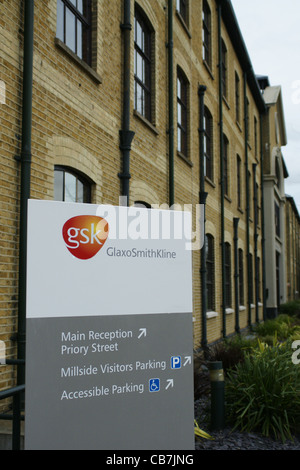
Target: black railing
pixel 16 393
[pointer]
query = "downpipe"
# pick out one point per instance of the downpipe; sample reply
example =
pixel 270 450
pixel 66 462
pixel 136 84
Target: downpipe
pixel 25 160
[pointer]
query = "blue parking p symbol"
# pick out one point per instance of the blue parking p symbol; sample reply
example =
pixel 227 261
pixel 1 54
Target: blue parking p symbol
pixel 175 362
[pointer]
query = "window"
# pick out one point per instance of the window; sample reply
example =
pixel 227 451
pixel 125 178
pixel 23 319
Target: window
pixel 247 118
pixel 237 98
pixel 74 26
pixel 142 65
pixel 277 220
pixel 182 113
pixel 277 173
pixel 241 277
pixel 251 284
pixel 210 272
pixel 257 208
pixel 142 204
pixel 239 181
pixel 225 165
pixel 182 8
pixel 255 136
pixel 70 187
pixel 227 275
pixel 208 143
pixel 278 296
pixel 250 193
pixel 255 194
pixel 258 280
pixel 224 68
pixel 206 33
pixel 276 128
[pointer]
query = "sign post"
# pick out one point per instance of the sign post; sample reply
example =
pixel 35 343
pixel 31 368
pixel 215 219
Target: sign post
pixel 109 358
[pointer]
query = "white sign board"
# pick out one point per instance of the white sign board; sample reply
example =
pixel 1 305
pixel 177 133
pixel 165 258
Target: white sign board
pixel 134 272
pixel 109 328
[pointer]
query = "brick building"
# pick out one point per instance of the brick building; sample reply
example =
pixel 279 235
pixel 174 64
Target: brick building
pixel 274 174
pixel 153 100
pixel 292 229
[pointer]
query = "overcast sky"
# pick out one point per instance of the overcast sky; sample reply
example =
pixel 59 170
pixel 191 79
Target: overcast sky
pixel 271 31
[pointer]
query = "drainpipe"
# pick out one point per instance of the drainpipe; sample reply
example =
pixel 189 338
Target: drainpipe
pixel 126 135
pixel 202 201
pixel 247 198
pixel 263 221
pixel 222 170
pixel 171 103
pixel 25 160
pixel 236 274
pixel 255 242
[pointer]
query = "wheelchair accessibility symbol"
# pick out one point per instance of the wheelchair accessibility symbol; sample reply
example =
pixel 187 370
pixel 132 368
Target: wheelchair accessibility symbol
pixel 154 385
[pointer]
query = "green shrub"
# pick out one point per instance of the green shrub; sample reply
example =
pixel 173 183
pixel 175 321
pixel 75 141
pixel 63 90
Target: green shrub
pixel 295 334
pixel 269 339
pixel 291 308
pixel 263 392
pixel 230 351
pixel 281 327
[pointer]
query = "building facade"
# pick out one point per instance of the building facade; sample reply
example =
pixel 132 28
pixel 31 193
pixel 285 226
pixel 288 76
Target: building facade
pixel 152 100
pixel 292 230
pixel 274 174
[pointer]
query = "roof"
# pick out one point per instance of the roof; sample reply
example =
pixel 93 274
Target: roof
pixel 293 204
pixel 272 96
pixel 263 81
pixel 232 26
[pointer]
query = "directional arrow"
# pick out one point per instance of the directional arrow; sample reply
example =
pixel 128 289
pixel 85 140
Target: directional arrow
pixel 170 383
pixel 188 360
pixel 143 332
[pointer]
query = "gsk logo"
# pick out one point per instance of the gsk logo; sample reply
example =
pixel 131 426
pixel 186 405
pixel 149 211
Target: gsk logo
pixel 85 235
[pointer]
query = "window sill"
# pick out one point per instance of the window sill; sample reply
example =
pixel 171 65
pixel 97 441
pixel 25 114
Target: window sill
pixel 226 102
pixel 242 308
pixel 145 122
pixel 206 65
pixel 183 23
pixel 212 314
pixel 239 126
pixel 91 72
pixel 209 181
pixel 229 311
pixel 227 198
pixel 185 159
pixel 276 189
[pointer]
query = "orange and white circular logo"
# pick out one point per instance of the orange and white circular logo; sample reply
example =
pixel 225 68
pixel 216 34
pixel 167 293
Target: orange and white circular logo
pixel 85 235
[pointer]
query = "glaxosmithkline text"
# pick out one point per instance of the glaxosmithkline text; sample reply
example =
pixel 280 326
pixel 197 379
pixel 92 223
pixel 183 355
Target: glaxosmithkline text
pixel 147 253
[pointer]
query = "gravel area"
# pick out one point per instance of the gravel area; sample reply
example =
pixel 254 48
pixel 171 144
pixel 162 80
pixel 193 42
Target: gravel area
pixel 235 440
